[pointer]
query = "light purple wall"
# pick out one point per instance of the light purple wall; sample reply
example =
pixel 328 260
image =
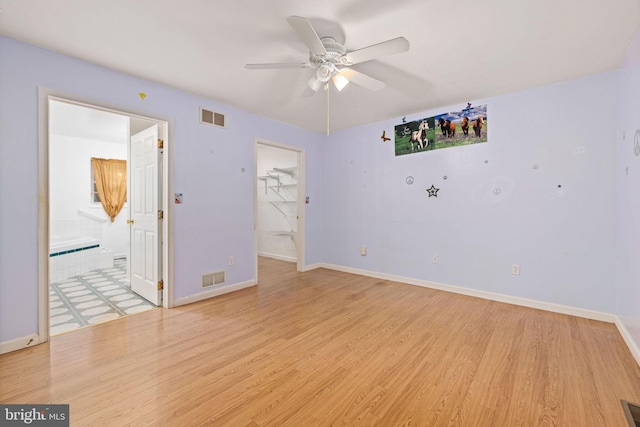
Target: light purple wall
pixel 216 219
pixel 628 174
pixel 563 238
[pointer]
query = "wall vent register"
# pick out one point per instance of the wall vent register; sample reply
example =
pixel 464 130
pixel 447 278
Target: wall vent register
pixel 212 279
pixel 211 118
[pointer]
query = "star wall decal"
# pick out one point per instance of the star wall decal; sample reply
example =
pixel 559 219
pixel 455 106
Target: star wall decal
pixel 433 191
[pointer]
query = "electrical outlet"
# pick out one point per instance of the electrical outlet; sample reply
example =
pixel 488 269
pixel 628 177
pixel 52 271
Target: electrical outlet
pixel 435 259
pixel 232 260
pixel 515 269
pixel 363 250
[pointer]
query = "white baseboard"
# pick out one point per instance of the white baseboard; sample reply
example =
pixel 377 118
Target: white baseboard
pixel 525 302
pixel 628 339
pixel 279 257
pixel 219 290
pixel 19 343
pixel 312 267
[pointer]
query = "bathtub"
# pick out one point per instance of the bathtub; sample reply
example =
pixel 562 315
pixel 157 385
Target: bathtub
pixel 61 245
pixel 73 255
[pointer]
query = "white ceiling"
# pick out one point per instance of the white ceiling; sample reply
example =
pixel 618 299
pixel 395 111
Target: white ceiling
pixel 460 50
pixel 87 123
pixel 82 122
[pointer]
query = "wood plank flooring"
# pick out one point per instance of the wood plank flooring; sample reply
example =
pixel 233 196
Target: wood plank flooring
pixel 328 348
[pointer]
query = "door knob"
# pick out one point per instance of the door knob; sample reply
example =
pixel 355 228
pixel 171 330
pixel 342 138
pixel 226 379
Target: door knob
pixel 129 221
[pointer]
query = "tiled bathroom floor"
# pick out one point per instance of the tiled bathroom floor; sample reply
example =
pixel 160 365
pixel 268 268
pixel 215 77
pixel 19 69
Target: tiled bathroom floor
pixel 93 297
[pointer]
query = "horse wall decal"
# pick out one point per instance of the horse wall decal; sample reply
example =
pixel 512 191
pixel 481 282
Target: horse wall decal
pixel 465 126
pixel 477 126
pixel 419 136
pixel 442 126
pixel 448 128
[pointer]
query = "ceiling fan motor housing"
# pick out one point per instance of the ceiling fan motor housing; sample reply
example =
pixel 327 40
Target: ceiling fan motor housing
pixel 335 53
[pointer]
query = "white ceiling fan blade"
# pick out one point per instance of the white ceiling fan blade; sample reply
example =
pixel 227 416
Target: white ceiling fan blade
pixel 389 47
pixel 307 34
pixel 276 65
pixel 362 79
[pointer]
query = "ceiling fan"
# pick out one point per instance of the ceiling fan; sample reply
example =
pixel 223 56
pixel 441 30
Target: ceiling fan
pixel 332 61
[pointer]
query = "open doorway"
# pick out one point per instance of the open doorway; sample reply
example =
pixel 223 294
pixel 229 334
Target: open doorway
pixel 95 251
pixel 280 202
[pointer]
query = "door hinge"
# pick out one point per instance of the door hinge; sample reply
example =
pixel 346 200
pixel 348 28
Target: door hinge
pixel 160 214
pixel 160 144
pixel 161 285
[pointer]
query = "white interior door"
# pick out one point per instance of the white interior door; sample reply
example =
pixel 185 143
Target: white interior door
pixel 144 203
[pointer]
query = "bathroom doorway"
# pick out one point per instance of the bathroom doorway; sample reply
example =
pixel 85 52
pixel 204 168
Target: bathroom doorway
pixel 96 251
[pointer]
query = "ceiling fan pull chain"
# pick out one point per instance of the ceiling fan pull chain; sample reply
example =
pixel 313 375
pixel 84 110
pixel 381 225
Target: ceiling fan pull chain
pixel 326 87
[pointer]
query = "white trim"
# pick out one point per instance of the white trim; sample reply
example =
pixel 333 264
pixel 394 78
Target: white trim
pixel 19 343
pixel 220 290
pixel 44 96
pixel 43 214
pixel 279 257
pixel 313 267
pixel 628 339
pixel 255 208
pixel 525 302
pixel 167 222
pixel 300 232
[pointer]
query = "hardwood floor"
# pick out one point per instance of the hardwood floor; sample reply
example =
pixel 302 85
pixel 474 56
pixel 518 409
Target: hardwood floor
pixel 329 348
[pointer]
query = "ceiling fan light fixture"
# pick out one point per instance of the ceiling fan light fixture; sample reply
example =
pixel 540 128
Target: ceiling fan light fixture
pixel 340 82
pixel 325 71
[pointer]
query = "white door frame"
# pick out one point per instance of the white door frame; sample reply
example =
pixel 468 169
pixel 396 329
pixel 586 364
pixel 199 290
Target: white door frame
pixel 300 253
pixel 44 96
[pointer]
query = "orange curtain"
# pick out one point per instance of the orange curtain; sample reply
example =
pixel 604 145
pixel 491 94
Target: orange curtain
pixel 111 182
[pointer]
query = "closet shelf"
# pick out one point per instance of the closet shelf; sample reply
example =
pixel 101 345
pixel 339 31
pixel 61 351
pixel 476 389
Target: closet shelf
pixel 282 233
pixel 277 203
pixel 282 182
pixel 266 178
pixel 287 171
